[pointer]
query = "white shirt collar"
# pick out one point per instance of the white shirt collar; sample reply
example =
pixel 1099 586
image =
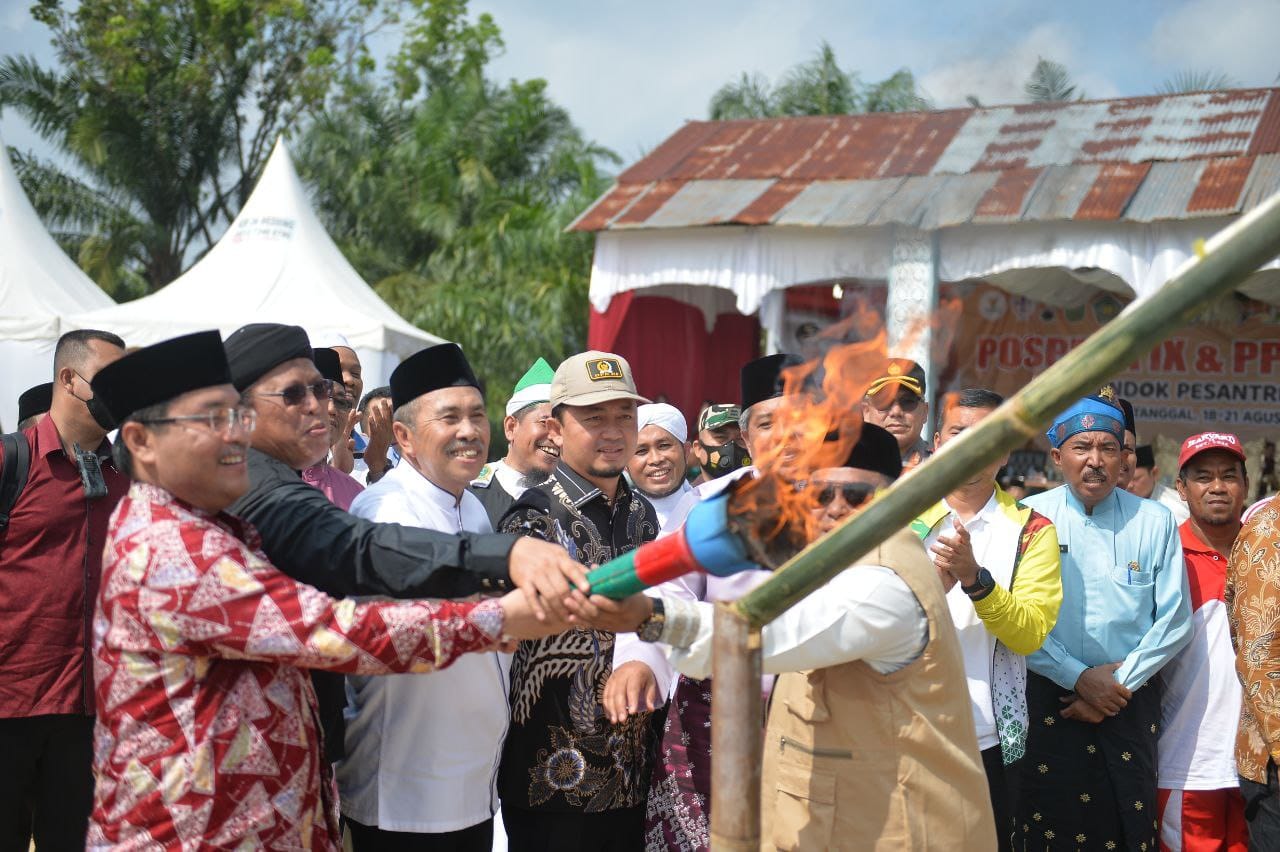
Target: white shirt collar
pixel 989 512
pixel 415 481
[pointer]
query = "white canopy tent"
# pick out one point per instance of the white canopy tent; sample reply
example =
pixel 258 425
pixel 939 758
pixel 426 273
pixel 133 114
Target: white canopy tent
pixel 276 263
pixel 39 286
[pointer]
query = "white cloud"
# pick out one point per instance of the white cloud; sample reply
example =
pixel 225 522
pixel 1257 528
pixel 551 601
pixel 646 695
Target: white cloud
pixel 629 79
pixel 998 77
pixel 1235 36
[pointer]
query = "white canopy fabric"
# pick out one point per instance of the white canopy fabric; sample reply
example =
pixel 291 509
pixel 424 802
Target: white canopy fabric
pixel 39 285
pixel 276 263
pixel 1038 260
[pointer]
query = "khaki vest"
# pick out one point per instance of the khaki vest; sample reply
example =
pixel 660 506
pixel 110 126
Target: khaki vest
pixel 862 761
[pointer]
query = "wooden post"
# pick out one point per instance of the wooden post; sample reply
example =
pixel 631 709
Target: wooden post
pixel 737 735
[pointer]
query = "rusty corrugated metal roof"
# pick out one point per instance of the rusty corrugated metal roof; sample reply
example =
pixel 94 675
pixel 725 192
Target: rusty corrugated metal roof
pixel 1138 159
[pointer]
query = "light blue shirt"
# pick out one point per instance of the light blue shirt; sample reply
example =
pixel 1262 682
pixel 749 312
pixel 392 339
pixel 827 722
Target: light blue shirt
pixel 1124 588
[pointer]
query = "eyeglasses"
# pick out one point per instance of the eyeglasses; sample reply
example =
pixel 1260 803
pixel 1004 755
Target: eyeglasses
pixel 854 493
pixel 223 421
pixel 342 402
pixel 297 394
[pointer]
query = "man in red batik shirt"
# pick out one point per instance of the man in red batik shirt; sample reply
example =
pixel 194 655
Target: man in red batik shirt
pixel 207 731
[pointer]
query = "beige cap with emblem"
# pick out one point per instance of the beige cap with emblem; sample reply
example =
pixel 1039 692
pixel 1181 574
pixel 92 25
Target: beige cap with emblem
pixel 590 378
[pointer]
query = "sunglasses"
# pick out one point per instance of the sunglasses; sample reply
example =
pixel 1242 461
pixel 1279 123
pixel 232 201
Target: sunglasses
pixel 297 394
pixel 908 402
pixel 854 493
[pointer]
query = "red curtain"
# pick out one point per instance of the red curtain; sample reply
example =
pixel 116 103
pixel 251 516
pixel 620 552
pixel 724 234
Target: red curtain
pixel 670 351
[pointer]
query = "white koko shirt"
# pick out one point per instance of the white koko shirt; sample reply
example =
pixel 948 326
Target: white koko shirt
pixel 423 750
pixel 994 539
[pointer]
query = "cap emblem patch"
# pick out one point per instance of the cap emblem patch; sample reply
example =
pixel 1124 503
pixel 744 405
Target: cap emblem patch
pixel 603 369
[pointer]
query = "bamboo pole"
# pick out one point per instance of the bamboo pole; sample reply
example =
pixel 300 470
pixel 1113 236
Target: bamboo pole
pixel 737 740
pixel 1221 263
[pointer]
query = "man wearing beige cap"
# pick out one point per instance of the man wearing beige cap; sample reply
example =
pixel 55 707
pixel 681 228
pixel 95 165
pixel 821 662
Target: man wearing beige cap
pixel 569 779
pixel 896 402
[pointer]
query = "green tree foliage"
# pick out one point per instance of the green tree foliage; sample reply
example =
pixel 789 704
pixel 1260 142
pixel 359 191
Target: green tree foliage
pixel 451 193
pixel 167 110
pixel 1201 80
pixel 818 86
pixel 1050 82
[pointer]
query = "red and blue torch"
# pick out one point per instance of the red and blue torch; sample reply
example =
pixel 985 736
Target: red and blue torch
pixel 707 542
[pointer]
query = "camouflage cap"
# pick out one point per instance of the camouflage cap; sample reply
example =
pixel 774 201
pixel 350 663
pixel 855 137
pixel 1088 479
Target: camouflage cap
pixel 719 414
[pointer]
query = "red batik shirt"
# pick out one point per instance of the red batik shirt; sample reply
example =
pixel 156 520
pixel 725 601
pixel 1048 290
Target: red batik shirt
pixel 207 732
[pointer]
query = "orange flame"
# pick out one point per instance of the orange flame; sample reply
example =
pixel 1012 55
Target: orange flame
pixel 814 425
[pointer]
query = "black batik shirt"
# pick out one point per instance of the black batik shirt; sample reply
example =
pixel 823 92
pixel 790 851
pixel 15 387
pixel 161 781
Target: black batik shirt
pixel 561 753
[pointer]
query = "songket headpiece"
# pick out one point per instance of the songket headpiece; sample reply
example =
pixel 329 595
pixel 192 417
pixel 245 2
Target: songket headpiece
pixel 1091 414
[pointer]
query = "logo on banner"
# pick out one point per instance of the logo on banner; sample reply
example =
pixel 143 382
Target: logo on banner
pixel 1023 308
pixel 992 305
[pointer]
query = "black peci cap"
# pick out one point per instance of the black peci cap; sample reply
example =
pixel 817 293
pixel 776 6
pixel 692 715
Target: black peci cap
pixel 254 350
pixel 35 400
pixel 433 368
pixel 156 374
pixel 763 378
pixel 876 451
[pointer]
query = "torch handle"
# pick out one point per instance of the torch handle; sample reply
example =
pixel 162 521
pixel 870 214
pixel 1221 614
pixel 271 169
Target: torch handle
pixel 648 565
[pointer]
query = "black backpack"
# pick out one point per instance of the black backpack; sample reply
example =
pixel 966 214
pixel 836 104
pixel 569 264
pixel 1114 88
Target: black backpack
pixel 13 478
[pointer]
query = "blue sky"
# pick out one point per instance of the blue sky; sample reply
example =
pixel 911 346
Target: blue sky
pixel 630 73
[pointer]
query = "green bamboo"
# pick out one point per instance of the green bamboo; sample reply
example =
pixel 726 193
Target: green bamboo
pixel 1225 260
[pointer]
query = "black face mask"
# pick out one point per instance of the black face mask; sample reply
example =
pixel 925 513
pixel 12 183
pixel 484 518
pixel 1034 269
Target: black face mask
pixel 724 458
pixel 100 413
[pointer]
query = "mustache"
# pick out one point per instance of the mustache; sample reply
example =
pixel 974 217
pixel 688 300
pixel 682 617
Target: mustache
pixel 1094 474
pixel 461 444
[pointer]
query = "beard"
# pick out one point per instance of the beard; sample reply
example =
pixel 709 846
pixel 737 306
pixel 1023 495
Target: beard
pixel 605 470
pixel 533 479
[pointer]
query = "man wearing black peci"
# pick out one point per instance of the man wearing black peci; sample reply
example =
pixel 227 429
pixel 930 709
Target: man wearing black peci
pixel 311 540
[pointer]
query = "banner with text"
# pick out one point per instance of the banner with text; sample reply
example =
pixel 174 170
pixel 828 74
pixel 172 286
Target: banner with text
pixel 1222 371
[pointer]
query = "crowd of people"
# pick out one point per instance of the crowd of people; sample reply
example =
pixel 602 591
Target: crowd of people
pixel 247 603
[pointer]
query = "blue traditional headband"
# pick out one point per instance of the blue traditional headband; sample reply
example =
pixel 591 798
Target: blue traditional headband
pixel 1091 414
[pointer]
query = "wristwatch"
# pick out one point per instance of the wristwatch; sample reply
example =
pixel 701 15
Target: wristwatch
pixel 981 587
pixel 650 630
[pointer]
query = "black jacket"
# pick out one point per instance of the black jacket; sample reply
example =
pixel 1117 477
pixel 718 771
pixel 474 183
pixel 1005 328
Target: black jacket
pixel 317 543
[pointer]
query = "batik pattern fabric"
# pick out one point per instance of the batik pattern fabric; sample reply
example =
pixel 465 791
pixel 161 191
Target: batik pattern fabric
pixel 678 816
pixel 1253 587
pixel 1084 786
pixel 207 732
pixel 561 753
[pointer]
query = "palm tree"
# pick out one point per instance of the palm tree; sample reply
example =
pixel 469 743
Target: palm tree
pixel 747 97
pixel 1050 82
pixel 167 118
pixel 818 86
pixel 1201 80
pixel 895 93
